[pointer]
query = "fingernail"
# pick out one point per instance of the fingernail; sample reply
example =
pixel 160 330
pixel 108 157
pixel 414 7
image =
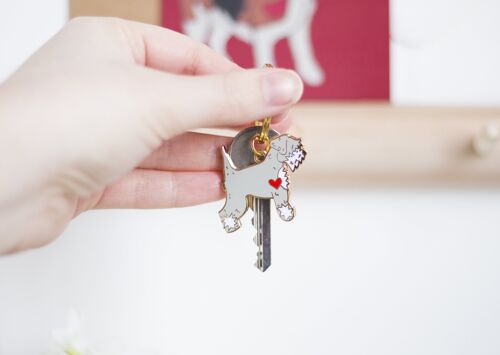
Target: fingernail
pixel 281 88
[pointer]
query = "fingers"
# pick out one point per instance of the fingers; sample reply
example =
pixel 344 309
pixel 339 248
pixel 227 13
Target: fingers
pixel 188 152
pixel 160 189
pixel 228 96
pixel 167 50
pixel 170 51
pixel 231 99
pixel 196 151
pixel 144 44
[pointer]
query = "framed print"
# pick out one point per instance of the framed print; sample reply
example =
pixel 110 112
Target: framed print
pixel 339 47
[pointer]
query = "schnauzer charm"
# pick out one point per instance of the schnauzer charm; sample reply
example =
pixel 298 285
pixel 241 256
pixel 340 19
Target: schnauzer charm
pixel 267 179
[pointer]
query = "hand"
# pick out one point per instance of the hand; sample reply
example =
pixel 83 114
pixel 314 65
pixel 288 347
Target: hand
pixel 97 119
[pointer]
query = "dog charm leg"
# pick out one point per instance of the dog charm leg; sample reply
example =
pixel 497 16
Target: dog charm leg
pixel 233 210
pixel 285 210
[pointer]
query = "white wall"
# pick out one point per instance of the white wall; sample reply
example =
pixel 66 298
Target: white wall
pixel 24 26
pixel 358 272
pixel 445 52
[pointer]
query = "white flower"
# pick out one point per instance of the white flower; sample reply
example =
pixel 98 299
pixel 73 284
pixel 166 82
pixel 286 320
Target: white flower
pixel 69 341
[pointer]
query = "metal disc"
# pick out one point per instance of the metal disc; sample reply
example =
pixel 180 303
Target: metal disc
pixel 240 150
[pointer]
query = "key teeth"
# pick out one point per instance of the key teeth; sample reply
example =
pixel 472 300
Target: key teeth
pixel 257 239
pixel 259 263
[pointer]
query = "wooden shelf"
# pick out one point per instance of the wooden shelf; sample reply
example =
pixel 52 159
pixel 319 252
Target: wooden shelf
pixel 375 143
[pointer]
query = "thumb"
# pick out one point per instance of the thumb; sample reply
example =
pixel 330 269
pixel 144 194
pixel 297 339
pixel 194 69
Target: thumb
pixel 229 99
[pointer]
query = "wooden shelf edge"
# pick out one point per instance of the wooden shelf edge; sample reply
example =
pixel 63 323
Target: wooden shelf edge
pixel 369 143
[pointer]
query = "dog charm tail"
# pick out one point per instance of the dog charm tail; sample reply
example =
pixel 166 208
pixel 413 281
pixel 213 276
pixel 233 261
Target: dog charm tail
pixel 227 164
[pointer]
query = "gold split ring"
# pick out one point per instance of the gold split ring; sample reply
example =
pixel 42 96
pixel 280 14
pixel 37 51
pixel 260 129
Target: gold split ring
pixel 262 137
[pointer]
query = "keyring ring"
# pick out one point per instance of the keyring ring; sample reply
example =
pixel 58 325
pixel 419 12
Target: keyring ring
pixel 267 145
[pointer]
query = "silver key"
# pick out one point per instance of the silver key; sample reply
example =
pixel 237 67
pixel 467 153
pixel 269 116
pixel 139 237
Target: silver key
pixel 252 184
pixel 242 156
pixel 262 223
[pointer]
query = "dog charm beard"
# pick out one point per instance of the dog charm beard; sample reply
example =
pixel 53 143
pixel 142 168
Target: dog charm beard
pixel 268 178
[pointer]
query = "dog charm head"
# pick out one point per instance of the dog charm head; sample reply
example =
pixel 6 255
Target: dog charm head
pixel 266 179
pixel 290 150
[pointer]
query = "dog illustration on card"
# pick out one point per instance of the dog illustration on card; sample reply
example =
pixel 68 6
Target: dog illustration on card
pixel 261 24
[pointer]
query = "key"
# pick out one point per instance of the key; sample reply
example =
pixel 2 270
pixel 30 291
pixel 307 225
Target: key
pixel 242 156
pixel 253 177
pixel 262 223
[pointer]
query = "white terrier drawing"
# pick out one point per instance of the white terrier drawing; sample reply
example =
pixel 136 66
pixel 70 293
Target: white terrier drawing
pixel 216 21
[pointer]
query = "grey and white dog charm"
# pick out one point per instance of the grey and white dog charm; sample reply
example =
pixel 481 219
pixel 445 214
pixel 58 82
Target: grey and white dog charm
pixel 253 176
pixel 245 179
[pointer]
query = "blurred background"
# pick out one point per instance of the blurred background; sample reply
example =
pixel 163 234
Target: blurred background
pixel 395 247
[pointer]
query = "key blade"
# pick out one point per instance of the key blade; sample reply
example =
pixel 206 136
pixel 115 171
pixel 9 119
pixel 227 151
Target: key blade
pixel 243 157
pixel 262 224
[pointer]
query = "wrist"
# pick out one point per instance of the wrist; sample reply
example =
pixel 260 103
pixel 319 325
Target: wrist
pixel 31 207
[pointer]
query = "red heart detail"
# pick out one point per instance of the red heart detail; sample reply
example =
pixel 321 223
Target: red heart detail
pixel 275 183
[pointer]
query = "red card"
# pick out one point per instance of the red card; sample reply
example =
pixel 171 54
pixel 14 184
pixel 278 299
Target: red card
pixel 339 47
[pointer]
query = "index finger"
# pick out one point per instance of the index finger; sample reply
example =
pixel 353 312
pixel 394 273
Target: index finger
pixel 166 50
pixel 163 49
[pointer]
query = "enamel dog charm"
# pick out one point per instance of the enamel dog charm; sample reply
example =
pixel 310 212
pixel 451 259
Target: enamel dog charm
pixel 257 169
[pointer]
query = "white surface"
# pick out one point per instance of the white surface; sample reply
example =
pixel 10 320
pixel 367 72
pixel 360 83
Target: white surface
pixel 368 272
pixel 358 272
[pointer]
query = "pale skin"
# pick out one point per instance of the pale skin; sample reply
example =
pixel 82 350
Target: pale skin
pixel 98 118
